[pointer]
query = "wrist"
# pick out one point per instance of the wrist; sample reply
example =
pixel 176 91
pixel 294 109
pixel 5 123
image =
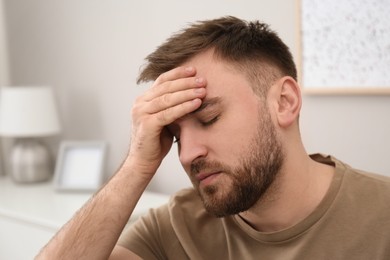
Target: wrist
pixel 139 168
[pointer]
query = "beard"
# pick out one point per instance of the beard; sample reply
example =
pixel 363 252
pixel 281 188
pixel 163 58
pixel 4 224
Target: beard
pixel 257 169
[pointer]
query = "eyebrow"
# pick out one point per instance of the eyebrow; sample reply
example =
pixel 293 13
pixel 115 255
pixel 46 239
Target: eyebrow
pixel 207 102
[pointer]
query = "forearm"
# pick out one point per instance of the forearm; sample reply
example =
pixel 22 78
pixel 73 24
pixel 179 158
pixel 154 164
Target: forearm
pixel 94 230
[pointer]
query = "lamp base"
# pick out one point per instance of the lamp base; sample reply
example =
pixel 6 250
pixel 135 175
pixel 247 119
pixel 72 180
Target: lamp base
pixel 30 161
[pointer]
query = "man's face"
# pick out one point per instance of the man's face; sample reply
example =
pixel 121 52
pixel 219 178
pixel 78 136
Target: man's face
pixel 228 147
pixel 248 179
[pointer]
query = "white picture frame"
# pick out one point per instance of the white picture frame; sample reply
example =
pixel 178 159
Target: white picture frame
pixel 80 165
pixel 344 47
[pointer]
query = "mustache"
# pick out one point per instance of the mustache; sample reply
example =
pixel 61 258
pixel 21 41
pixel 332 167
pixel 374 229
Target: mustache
pixel 201 164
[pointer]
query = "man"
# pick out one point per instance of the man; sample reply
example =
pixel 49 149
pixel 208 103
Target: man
pixel 226 91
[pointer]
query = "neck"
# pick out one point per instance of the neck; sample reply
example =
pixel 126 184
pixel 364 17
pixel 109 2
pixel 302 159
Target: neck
pixel 300 186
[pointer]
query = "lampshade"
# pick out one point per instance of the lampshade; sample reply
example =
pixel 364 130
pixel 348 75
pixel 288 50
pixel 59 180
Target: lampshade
pixel 28 112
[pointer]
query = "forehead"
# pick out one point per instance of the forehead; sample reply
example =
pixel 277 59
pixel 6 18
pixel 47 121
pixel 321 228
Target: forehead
pixel 223 79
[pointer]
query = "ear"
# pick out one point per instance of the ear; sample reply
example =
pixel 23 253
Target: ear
pixel 288 101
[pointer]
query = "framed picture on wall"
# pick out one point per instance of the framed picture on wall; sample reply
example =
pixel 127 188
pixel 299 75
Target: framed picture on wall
pixel 80 165
pixel 345 46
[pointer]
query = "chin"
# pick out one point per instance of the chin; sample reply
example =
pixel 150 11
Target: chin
pixel 217 200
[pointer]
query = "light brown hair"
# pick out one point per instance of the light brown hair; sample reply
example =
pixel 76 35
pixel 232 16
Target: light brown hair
pixel 249 46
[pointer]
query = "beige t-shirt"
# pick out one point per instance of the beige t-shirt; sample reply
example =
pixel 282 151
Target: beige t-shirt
pixel 351 222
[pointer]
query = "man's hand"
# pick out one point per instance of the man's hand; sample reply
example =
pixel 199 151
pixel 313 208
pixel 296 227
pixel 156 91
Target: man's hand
pixel 93 231
pixel 173 95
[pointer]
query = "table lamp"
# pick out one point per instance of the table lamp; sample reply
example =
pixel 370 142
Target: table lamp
pixel 27 114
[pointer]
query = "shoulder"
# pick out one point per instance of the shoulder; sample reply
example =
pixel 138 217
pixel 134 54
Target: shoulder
pixel 372 188
pixel 358 186
pixel 364 189
pixel 365 180
pixel 370 177
pixel 354 175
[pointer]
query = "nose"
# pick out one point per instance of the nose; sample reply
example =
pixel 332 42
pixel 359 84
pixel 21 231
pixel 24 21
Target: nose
pixel 193 145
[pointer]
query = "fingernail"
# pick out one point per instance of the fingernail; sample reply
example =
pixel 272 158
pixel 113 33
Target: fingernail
pixel 189 69
pixel 199 80
pixel 196 100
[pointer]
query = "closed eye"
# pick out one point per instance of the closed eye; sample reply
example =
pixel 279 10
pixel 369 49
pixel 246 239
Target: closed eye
pixel 203 123
pixel 210 122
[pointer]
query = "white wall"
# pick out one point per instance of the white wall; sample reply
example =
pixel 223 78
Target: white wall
pixel 91 51
pixel 3 69
pixel 3 48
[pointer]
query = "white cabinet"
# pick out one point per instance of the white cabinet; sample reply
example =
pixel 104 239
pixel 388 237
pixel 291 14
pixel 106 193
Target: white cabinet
pixel 30 214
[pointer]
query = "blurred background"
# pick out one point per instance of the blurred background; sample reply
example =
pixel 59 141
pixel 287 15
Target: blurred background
pixel 90 53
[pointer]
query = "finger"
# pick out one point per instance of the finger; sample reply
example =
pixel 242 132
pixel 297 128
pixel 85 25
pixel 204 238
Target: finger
pixel 171 114
pixel 174 86
pixel 176 73
pixel 172 99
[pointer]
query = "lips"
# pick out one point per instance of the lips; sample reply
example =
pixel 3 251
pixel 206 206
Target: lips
pixel 204 172
pixel 206 177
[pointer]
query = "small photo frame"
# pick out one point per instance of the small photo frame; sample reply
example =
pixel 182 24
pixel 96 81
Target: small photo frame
pixel 80 165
